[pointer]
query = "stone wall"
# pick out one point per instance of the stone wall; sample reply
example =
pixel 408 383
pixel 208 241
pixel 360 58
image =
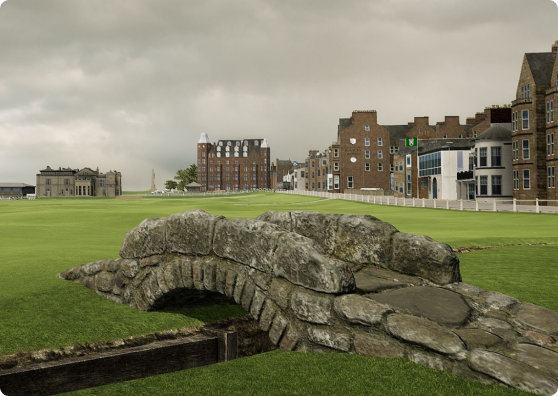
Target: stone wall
pixel 326 282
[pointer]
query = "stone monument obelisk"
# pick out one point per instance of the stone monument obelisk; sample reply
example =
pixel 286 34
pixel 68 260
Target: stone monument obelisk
pixel 152 180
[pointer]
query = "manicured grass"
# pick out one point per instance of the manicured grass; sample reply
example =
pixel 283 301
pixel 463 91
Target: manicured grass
pixel 292 373
pixel 39 239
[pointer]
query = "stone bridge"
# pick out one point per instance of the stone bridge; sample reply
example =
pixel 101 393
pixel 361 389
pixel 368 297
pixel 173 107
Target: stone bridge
pixel 328 282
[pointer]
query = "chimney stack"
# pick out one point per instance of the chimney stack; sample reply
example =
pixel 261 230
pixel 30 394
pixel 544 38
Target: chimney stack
pixel 555 46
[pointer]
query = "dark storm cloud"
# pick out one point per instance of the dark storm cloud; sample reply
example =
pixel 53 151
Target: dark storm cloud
pixel 131 84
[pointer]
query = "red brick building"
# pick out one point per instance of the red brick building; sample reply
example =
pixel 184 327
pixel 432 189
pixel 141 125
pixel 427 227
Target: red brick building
pixel 534 127
pixel 233 165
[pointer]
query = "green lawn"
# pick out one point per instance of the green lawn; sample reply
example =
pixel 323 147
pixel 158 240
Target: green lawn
pixel 41 238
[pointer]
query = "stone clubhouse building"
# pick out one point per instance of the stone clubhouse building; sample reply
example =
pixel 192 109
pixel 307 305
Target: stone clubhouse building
pixel 86 182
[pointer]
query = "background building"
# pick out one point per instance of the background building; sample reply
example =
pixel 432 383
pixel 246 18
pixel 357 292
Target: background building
pixel 534 127
pixel 9 190
pixel 67 182
pixel 233 165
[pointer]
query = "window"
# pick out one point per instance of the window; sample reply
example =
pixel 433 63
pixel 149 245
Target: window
pixel 528 91
pixel 550 144
pixel 380 167
pixel 516 180
pixel 380 154
pixel 367 127
pixel 367 141
pixel 393 149
pixel 409 189
pixel 366 154
pixel 474 134
pixel 459 136
pixel 515 150
pixel 496 185
pixel 349 182
pixel 551 111
pixel 482 157
pixel 523 92
pixel 408 161
pixel 445 136
pixel 551 171
pixel 525 145
pixel 496 156
pixel 525 119
pixel 391 168
pixel 367 167
pixel 401 164
pixel 380 142
pixel 336 166
pixel 318 173
pixel 301 173
pixel 396 166
pixel 430 164
pixel 484 185
pixel 401 188
pixel 547 112
pixel 336 152
pixel 514 119
pixel 526 179
pixel 336 182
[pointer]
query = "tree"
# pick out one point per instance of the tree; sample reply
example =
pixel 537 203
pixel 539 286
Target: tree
pixel 170 184
pixel 186 176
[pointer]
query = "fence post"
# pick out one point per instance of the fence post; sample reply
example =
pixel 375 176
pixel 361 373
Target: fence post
pixel 447 204
pixel 494 206
pixel 515 205
pixel 537 208
pixel 374 199
pixel 395 203
pixel 461 204
pixel 369 199
pixel 423 203
pixel 476 206
pixel 404 202
pixel 413 202
pixel 435 203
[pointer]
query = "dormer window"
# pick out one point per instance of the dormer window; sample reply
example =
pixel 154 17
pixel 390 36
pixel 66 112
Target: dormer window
pixel 256 142
pixel 367 127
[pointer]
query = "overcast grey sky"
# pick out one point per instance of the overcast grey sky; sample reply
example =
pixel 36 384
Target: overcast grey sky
pixel 131 84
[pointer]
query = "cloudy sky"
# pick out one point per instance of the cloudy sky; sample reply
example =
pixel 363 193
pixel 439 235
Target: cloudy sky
pixel 131 84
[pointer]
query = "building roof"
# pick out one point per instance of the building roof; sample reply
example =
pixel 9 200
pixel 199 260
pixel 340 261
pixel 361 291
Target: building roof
pixel 496 132
pixel 397 132
pixel 15 185
pixel 194 184
pixel 541 65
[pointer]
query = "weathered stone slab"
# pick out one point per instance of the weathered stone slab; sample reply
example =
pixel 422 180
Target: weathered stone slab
pixel 375 285
pixel 280 292
pixel 378 345
pixel 437 304
pixel 361 310
pixel 540 358
pixel 247 241
pixel 495 300
pixel 129 268
pixel 312 307
pixel 477 338
pixel 329 338
pixel 386 274
pixel 302 262
pixel 281 219
pixel 427 333
pixel 145 240
pixel 364 240
pixel 425 257
pixel 320 227
pixel 512 373
pixel 532 317
pixel 257 303
pixel 191 232
pixel 104 281
pixel 289 339
pixel 277 328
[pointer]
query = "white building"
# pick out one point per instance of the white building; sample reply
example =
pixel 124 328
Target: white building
pixel 440 161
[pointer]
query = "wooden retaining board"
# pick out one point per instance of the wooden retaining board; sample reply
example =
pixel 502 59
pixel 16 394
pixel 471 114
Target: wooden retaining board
pixel 51 378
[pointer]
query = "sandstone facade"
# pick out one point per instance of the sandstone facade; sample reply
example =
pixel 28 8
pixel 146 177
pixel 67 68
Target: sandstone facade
pixel 322 283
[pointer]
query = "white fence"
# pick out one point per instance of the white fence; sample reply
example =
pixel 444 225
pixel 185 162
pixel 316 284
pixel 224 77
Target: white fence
pixel 492 205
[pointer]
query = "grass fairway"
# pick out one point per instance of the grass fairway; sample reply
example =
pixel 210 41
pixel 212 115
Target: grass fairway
pixel 40 238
